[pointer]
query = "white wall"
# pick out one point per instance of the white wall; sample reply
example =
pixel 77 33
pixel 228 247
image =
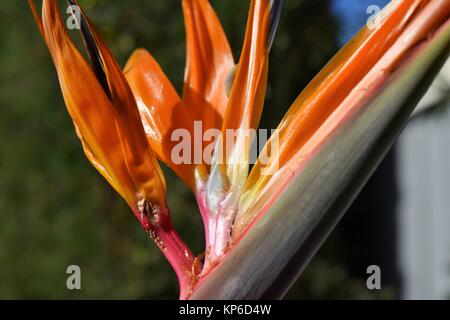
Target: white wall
pixel 424 181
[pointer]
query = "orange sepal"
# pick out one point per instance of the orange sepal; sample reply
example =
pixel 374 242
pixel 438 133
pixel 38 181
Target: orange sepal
pixel 106 119
pixel 355 72
pixel 209 61
pixel 247 94
pixel 161 109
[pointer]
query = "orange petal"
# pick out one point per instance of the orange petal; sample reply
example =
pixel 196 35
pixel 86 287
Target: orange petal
pixel 106 118
pixel 161 109
pixel 209 61
pixel 341 86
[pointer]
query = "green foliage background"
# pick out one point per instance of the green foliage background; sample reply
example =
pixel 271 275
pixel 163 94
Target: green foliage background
pixel 56 210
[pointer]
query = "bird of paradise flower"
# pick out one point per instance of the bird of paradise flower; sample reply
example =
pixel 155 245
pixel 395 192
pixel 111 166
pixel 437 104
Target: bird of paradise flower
pixel 260 229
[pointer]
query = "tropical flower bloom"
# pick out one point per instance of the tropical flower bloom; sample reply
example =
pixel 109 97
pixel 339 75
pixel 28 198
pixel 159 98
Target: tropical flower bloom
pixel 126 119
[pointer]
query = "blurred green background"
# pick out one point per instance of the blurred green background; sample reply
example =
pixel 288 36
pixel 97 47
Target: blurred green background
pixel 56 210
